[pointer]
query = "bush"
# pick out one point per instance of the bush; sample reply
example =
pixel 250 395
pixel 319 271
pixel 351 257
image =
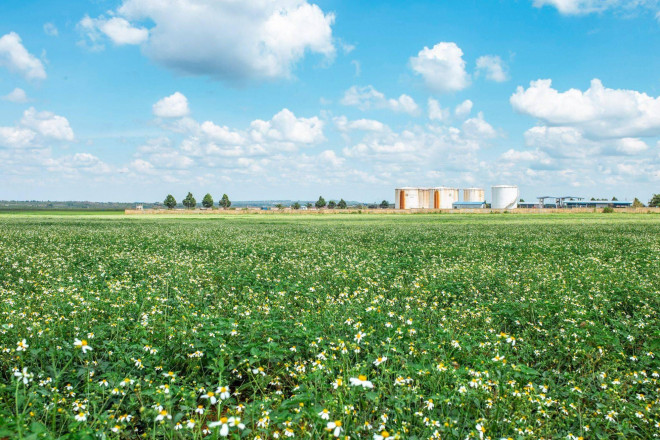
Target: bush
pixel 608 210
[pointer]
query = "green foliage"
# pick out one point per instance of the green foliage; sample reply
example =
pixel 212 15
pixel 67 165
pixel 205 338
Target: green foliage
pixel 296 206
pixel 320 203
pixel 637 203
pixel 224 202
pixel 341 204
pixel 384 204
pixel 207 202
pixel 189 202
pixel 655 201
pixel 332 204
pixel 170 201
pixel 608 210
pixel 614 199
pixel 530 326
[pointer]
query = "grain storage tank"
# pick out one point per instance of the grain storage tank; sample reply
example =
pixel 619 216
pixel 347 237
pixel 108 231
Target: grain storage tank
pixel 425 198
pixel 444 198
pixel 406 198
pixel 474 195
pixel 505 197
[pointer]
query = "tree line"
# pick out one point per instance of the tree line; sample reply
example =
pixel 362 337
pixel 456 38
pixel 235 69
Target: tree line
pixel 189 202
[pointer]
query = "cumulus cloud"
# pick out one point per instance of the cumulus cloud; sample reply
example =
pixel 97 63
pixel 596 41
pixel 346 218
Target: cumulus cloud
pixel 493 67
pixel 16 137
pixel 598 112
pixel 48 124
pixel 368 97
pixel 463 109
pixel 233 41
pixel 442 67
pixel 478 128
pixel 17 96
pixel 286 127
pixel 16 58
pixel 343 124
pixel 436 112
pixel 173 106
pixel 576 7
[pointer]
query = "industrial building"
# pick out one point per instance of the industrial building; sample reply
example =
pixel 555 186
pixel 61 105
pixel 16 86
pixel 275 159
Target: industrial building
pixel 425 198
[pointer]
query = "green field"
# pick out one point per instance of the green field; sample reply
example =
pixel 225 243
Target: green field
pixel 417 326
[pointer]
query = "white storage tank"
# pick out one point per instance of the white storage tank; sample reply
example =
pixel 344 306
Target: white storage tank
pixel 474 195
pixel 444 198
pixel 406 198
pixel 505 197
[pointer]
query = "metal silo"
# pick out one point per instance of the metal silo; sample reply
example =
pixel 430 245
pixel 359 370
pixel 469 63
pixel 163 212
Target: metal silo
pixel 474 195
pixel 505 197
pixel 406 198
pixel 425 198
pixel 444 198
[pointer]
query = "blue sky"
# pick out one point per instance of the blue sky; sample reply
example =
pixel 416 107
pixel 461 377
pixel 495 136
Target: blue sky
pixel 287 99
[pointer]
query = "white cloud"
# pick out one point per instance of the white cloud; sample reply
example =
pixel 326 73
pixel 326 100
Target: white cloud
pixel 368 97
pixel 463 109
pixel 173 106
pixel 286 127
pixel 17 59
pixel 598 112
pixel 442 67
pixel 142 166
pixel 230 40
pixel 48 124
pixel 576 7
pixel 330 157
pixel 16 137
pixel 17 96
pixel 631 146
pixel 493 67
pixel 343 124
pixel 51 29
pixel 478 128
pixel 436 112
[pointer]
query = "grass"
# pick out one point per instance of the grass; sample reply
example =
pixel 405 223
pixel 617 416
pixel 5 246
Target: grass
pixel 539 326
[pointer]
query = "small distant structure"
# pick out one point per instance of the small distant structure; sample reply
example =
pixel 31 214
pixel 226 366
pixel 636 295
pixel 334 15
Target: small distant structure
pixel 139 207
pixel 505 197
pixel 469 205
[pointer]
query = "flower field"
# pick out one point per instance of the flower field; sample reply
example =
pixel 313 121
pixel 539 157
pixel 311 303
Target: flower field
pixel 373 327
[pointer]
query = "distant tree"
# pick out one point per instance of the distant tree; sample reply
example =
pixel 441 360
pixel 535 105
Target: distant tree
pixel 332 204
pixel 189 202
pixel 384 204
pixel 522 200
pixel 614 199
pixel 320 203
pixel 593 200
pixel 224 202
pixel 655 201
pixel 608 210
pixel 637 203
pixel 296 206
pixel 207 202
pixel 279 206
pixel 308 205
pixel 341 204
pixel 170 201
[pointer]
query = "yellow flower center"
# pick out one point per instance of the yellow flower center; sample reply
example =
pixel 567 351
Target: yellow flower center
pixel 362 377
pixel 210 394
pixel 223 419
pixel 384 434
pixel 337 422
pixel 83 342
pixel 163 412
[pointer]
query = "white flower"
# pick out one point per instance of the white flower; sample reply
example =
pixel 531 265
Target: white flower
pixel 380 360
pixel 383 435
pixel 225 423
pixel 162 415
pixel 190 423
pixel 82 345
pixel 211 396
pixel 81 416
pixel 324 414
pixel 362 381
pixel 335 427
pixel 23 375
pixel 481 430
pixel 21 345
pixel 223 392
